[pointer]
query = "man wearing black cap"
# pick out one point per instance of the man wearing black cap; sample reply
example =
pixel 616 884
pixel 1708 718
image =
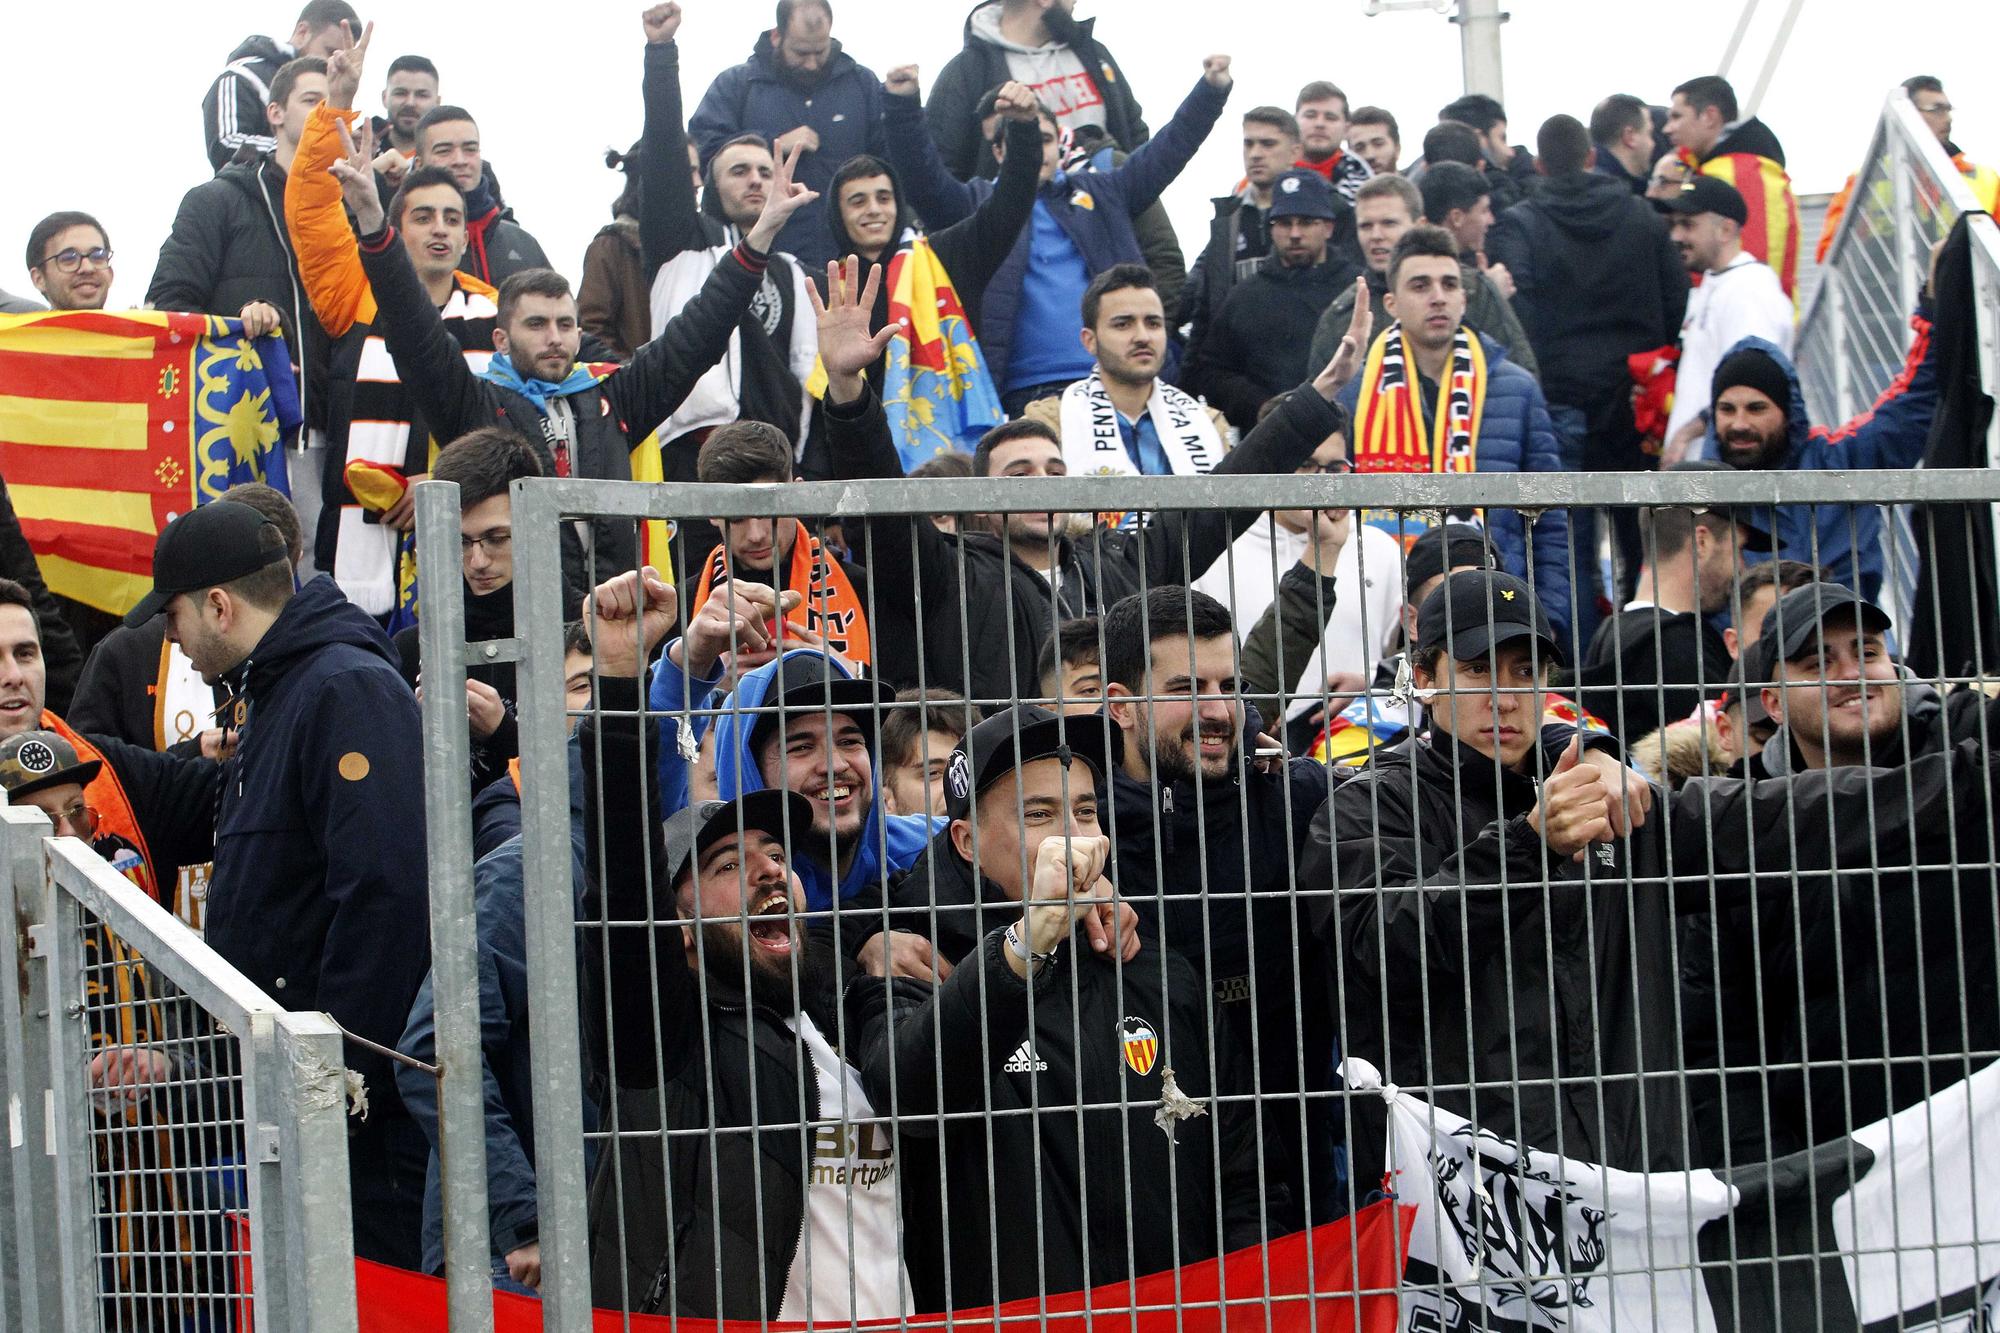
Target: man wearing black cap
pixel 1523 927
pixel 1737 297
pixel 1657 659
pixel 1256 348
pixel 316 895
pixel 1034 1026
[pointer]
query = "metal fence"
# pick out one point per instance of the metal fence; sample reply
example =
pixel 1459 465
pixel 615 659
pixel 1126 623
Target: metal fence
pixel 179 1142
pixel 1906 197
pixel 1730 1002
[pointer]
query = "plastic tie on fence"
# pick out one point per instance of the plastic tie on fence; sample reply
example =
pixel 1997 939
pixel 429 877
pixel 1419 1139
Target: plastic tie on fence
pixel 325 1086
pixel 1175 1105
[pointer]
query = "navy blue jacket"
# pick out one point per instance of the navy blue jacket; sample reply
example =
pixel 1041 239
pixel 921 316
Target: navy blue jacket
pixel 1094 208
pixel 759 96
pixel 319 894
pixel 1892 433
pixel 1515 435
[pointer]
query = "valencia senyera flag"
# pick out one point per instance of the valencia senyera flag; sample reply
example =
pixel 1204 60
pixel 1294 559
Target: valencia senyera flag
pixel 112 423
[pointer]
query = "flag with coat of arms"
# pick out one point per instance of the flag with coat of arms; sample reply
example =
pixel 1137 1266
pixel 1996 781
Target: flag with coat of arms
pixel 936 389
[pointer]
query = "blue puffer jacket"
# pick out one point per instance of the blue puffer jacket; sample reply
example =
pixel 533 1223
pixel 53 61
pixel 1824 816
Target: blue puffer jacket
pixel 1094 208
pixel 844 108
pixel 1890 434
pixel 1515 435
pixel 889 843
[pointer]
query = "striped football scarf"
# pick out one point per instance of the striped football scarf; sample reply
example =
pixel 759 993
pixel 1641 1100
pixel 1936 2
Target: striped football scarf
pixel 1390 433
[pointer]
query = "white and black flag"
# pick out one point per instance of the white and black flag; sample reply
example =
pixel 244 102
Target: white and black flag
pixel 1896 1227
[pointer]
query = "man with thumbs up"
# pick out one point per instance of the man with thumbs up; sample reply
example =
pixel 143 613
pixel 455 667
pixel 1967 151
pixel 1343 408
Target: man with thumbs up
pixel 1515 957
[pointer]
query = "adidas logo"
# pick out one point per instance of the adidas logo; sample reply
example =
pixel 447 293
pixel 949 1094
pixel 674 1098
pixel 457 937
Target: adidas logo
pixel 1025 1061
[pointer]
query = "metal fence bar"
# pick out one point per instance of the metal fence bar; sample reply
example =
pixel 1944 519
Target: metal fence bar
pixel 308 1082
pixel 554 1007
pixel 454 921
pixel 35 1274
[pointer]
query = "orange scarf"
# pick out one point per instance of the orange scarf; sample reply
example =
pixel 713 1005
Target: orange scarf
pixel 107 800
pixel 831 607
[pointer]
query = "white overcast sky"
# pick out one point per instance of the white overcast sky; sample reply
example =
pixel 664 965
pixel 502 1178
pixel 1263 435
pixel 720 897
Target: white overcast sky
pixel 554 85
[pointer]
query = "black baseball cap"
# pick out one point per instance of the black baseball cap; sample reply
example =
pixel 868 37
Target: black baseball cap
pixel 1016 736
pixel 693 829
pixel 1476 610
pixel 1746 684
pixel 808 682
pixel 1441 549
pixel 1800 612
pixel 1706 194
pixel 1754 519
pixel 218 542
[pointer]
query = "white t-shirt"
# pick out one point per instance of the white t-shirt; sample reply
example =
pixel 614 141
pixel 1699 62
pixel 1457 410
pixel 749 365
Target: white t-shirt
pixel 1368 597
pixel 851 1212
pixel 1743 299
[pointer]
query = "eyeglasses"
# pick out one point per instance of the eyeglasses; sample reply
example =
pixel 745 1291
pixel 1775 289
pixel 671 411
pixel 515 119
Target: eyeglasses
pixel 76 815
pixel 495 542
pixel 1936 109
pixel 1330 468
pixel 69 261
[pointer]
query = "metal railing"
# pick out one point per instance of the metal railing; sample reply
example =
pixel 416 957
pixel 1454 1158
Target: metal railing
pixel 1906 197
pixel 567 1064
pixel 179 1149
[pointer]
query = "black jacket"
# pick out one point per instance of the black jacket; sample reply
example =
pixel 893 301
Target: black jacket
pixel 232 111
pixel 119 692
pixel 1635 653
pixel 61 654
pixel 229 247
pixel 1748 136
pixel 974 613
pixel 319 892
pixel 981 67
pixel 1596 279
pixel 1480 968
pixel 173 799
pixel 976 1046
pixel 1257 346
pixel 709 1225
pixel 611 416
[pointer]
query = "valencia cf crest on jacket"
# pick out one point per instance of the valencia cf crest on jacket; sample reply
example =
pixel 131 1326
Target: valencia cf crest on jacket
pixel 1139 1044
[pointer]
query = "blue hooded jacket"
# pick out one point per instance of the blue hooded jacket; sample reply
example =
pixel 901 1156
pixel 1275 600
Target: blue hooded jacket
pixel 890 844
pixel 1890 434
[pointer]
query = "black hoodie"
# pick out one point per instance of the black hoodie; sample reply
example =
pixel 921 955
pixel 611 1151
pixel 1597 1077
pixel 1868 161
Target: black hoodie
pixel 232 112
pixel 1748 136
pixel 319 894
pixel 1596 279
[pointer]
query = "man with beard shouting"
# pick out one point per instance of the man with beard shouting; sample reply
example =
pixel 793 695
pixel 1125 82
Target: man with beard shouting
pixel 785 1208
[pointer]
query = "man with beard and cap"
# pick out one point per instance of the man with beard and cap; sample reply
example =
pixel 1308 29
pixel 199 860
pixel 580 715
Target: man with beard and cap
pixel 1042 44
pixel 1206 845
pixel 868 215
pixel 1759 423
pixel 1033 1027
pixel 1704 125
pixel 1736 298
pixel 683 241
pixel 1485 872
pixel 1661 655
pixel 315 887
pixel 715 1024
pixel 798 88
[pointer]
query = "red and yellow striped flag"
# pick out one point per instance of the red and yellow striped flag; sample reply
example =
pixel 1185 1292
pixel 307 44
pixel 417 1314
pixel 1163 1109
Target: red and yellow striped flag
pixel 1772 231
pixel 112 423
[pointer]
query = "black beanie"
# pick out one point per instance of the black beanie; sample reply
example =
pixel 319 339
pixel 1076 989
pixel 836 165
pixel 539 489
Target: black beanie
pixel 1754 369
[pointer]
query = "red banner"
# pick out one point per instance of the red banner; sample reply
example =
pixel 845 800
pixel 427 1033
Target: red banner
pixel 1313 1282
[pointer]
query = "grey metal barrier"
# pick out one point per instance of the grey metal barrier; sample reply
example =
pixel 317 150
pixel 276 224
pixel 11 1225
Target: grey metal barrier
pixel 179 1150
pixel 1696 906
pixel 1905 198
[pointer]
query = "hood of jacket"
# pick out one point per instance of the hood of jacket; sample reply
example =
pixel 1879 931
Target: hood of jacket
pixel 905 225
pixel 1588 206
pixel 1748 136
pixel 983 24
pixel 1798 427
pixel 318 617
pixel 1923 723
pixel 260 47
pixel 886 841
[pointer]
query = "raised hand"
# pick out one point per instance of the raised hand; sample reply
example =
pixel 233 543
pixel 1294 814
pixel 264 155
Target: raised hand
pixel 1015 101
pixel 1575 806
pixel 846 347
pixel 786 197
pixel 355 171
pixel 1353 347
pixel 1067 883
pixel 343 69
pixel 638 599
pixel 661 22
pixel 902 82
pixel 739 617
pixel 1216 70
